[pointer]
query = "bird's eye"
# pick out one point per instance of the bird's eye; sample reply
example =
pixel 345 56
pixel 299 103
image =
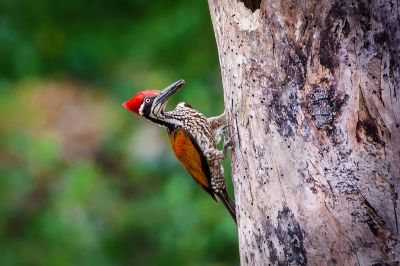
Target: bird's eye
pixel 147 100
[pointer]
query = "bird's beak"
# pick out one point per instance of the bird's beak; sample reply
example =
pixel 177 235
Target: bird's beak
pixel 166 93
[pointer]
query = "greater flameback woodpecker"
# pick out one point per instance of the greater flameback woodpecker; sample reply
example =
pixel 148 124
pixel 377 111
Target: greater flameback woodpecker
pixel 193 138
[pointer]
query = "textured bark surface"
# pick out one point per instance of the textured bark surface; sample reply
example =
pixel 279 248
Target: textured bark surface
pixel 312 93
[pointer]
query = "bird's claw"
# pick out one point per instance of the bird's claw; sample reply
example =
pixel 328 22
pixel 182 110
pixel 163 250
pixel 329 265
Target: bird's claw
pixel 228 143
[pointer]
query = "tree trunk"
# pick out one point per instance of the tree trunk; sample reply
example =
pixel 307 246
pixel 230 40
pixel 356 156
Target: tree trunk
pixel 311 91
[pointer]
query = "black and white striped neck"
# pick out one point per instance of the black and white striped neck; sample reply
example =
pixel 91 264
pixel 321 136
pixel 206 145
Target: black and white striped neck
pixel 165 119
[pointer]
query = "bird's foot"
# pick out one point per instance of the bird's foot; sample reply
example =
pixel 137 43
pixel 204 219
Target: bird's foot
pixel 228 139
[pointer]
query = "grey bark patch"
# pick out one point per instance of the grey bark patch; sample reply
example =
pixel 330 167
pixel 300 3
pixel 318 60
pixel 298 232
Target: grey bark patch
pixel 291 237
pixel 273 254
pixel 262 165
pixel 294 65
pixel 319 107
pixel 284 114
pixel 323 106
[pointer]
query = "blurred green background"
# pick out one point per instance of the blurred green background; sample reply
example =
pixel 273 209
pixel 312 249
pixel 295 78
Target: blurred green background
pixel 82 180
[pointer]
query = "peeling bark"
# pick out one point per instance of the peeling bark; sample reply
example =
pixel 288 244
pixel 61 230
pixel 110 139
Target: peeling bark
pixel 311 92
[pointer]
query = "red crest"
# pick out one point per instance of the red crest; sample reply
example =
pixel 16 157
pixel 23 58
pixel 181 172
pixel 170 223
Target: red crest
pixel 137 100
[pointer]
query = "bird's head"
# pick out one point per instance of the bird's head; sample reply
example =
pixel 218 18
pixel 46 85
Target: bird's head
pixel 151 103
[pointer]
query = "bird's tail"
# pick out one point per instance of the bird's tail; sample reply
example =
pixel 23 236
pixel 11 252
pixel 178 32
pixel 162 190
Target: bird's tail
pixel 229 204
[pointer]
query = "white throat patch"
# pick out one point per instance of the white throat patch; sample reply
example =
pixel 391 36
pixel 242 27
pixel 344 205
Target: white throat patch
pixel 141 108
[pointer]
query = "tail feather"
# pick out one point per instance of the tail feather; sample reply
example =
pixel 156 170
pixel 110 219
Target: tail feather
pixel 229 204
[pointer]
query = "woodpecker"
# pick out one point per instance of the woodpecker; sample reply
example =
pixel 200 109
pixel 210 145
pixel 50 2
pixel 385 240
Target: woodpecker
pixel 193 138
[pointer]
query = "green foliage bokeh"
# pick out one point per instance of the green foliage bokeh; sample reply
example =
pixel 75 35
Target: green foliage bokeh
pixel 83 181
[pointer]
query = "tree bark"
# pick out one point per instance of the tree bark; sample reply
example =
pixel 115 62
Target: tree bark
pixel 311 92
